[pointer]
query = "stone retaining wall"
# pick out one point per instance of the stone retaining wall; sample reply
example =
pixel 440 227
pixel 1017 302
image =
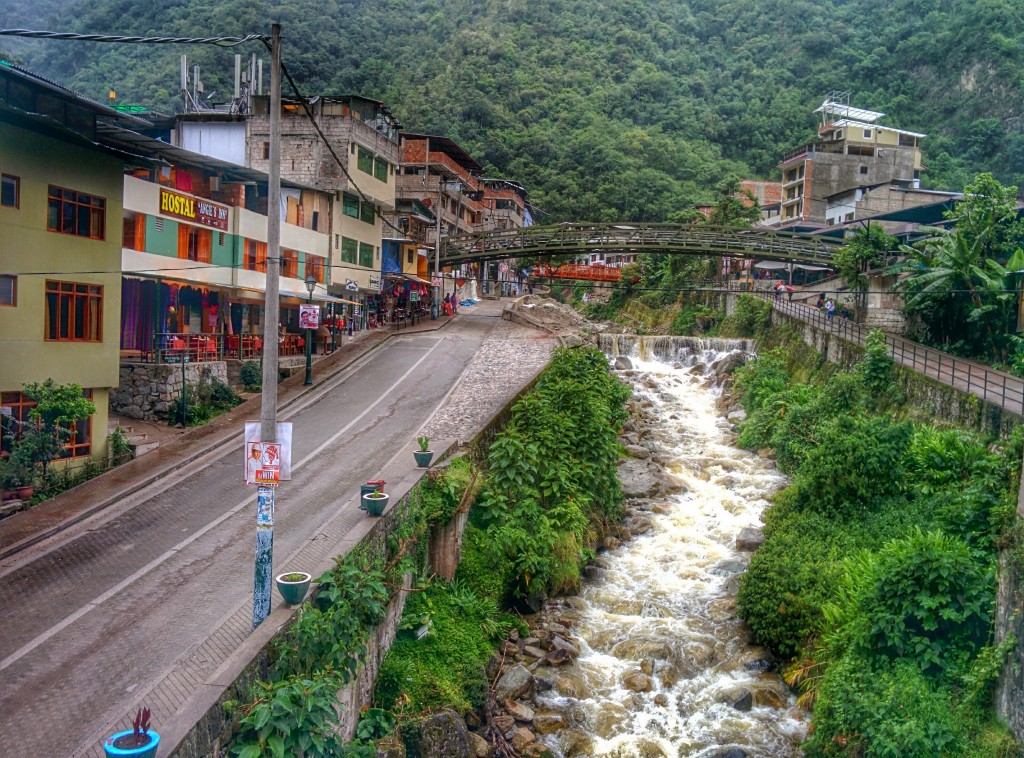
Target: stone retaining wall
pixel 146 390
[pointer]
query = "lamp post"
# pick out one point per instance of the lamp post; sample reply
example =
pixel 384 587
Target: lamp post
pixel 310 286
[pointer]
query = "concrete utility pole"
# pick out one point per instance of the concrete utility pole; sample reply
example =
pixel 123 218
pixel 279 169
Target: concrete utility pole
pixel 271 318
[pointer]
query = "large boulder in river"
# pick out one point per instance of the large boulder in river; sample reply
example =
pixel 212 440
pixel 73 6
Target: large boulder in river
pixel 723 367
pixel 639 478
pixel 749 539
pixel 622 363
pixel 442 735
pixel 514 683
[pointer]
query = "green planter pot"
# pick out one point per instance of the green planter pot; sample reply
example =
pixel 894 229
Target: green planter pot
pixel 423 457
pixel 146 751
pixel 293 592
pixel 375 505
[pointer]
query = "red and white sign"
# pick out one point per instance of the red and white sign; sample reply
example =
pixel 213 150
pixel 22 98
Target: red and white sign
pixel 279 456
pixel 263 463
pixel 309 317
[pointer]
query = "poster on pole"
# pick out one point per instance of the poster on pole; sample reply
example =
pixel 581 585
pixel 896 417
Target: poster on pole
pixel 309 317
pixel 279 456
pixel 263 464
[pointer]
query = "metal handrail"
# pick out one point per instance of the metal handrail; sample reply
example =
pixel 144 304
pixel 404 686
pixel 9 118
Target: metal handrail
pixel 997 387
pixel 174 347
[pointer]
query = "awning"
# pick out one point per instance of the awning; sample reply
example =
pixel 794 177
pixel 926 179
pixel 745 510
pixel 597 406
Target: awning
pixel 407 277
pixel 317 296
pixel 776 265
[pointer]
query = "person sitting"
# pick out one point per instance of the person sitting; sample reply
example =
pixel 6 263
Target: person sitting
pixel 821 301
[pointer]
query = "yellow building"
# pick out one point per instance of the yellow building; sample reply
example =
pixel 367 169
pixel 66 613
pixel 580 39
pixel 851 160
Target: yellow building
pixel 60 250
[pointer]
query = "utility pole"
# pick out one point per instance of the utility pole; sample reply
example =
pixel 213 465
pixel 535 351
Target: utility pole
pixel 264 568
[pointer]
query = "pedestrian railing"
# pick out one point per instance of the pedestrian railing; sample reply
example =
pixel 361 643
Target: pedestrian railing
pixel 996 387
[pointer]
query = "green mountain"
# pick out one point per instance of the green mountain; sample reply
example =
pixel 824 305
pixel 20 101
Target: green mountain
pixel 605 109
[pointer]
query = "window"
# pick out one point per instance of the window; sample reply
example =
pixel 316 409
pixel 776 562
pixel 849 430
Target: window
pixel 350 205
pixel 10 190
pixel 409 255
pixel 8 290
pixel 380 169
pixel 867 134
pixel 863 170
pixel 76 213
pixel 133 232
pixel 367 214
pixel 315 266
pixel 266 151
pixel 349 250
pixel 365 161
pixel 290 264
pixel 839 134
pixel 194 243
pixel 255 256
pixel 79 444
pixel 74 312
pixel 365 254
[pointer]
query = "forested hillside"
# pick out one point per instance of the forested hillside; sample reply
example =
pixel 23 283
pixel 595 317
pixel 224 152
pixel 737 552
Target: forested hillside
pixel 605 109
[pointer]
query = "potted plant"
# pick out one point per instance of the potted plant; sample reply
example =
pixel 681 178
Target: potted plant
pixel 17 472
pixel 375 502
pixel 293 586
pixel 424 454
pixel 139 741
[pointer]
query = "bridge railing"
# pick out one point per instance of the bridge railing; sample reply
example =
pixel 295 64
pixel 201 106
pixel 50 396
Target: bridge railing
pixel 997 387
pixel 579 238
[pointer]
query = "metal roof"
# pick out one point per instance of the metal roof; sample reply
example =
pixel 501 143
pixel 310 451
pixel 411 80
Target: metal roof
pixel 843 110
pixel 8 68
pixel 868 125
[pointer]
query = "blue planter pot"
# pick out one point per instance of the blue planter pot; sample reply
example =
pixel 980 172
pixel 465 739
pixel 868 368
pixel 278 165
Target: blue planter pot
pixel 293 592
pixel 146 751
pixel 375 505
pixel 423 457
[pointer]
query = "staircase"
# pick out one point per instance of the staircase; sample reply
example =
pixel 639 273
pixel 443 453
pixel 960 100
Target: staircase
pixel 139 441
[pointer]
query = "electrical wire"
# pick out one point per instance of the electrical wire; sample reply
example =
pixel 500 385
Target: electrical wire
pixel 220 41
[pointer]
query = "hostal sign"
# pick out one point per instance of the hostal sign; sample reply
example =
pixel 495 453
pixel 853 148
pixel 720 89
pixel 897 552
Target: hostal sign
pixel 194 209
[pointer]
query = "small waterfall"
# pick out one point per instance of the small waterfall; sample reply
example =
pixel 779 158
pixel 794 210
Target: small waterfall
pixel 685 351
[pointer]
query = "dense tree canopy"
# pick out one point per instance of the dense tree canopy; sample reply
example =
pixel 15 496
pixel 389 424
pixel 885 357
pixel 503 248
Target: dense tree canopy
pixel 605 109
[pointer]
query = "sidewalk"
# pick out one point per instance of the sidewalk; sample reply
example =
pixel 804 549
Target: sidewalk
pixel 28 527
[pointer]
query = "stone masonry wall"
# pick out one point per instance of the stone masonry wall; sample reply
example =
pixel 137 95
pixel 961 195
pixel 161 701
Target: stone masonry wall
pixel 146 390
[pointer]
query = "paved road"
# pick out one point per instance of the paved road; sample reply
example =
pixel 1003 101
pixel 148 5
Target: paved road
pixel 151 595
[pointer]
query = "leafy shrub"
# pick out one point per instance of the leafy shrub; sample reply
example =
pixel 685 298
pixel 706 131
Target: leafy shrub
pixel 762 379
pixel 876 367
pixel 294 716
pixel 883 711
pixel 928 598
pixel 696 319
pixel 442 492
pixel 858 463
pixel 751 317
pixel 251 374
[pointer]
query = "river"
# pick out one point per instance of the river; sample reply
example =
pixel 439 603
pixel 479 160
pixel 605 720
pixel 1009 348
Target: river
pixel 664 604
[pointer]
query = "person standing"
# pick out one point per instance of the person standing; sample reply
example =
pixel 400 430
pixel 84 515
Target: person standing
pixel 830 309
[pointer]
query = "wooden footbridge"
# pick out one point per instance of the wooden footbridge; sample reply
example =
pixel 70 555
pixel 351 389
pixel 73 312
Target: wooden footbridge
pixel 625 239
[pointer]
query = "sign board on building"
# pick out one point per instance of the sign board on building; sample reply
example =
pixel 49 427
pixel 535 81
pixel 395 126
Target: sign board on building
pixel 279 456
pixel 351 285
pixel 374 282
pixel 194 209
pixel 414 296
pixel 309 317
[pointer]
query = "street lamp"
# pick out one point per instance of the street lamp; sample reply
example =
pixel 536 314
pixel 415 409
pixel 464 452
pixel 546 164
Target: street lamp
pixel 310 286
